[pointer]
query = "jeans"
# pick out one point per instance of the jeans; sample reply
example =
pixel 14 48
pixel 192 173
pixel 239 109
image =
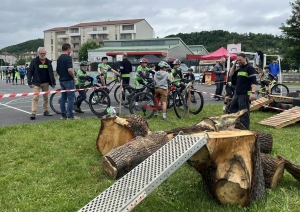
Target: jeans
pixel 70 96
pixel 219 89
pixel 7 79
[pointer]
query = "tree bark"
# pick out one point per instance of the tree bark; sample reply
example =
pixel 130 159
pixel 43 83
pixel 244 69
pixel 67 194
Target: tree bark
pixel 273 170
pixel 292 168
pixel 230 167
pixel 265 141
pixel 116 131
pixel 124 158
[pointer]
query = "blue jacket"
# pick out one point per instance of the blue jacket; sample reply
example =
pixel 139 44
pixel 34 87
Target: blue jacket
pixel 274 69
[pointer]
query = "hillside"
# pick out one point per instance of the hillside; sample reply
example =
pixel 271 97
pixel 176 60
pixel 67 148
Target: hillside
pixel 27 46
pixel 212 40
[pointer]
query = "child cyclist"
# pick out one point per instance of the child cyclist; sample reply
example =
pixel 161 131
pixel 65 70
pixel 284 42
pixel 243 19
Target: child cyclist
pixel 142 72
pixel 103 68
pixel 162 79
pixel 177 74
pixel 265 77
pixel 82 78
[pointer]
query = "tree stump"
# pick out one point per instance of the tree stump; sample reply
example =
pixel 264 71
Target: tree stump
pixel 124 158
pixel 292 168
pixel 116 131
pixel 265 141
pixel 273 170
pixel 230 167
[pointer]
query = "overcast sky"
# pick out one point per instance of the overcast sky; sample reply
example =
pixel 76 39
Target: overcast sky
pixel 22 20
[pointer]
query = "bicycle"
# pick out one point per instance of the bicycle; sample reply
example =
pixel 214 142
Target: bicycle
pixel 55 99
pixel 149 102
pixel 196 101
pixel 277 89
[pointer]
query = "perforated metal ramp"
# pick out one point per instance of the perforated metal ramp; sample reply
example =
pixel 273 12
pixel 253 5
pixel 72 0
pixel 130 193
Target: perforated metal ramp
pixel 283 119
pixel 131 189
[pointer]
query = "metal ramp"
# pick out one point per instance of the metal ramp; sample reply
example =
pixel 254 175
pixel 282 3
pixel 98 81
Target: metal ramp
pixel 260 102
pixel 283 119
pixel 131 189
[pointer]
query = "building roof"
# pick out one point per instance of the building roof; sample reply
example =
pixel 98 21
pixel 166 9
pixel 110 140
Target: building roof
pixel 132 21
pixel 198 49
pixel 57 29
pixel 30 53
pixel 134 48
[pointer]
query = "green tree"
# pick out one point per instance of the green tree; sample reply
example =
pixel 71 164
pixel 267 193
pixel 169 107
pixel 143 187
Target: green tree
pixel 21 61
pixel 29 59
pixel 291 33
pixel 83 50
pixel 27 46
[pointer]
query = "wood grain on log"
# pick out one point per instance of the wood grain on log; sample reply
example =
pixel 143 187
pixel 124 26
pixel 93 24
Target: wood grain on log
pixel 265 142
pixel 273 170
pixel 292 168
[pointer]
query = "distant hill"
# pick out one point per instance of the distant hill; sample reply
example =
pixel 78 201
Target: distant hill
pixel 27 46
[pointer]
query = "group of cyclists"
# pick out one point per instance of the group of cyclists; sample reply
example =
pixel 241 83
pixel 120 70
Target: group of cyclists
pixel 143 74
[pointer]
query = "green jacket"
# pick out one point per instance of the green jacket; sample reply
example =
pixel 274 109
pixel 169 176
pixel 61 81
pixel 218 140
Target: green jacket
pixel 138 77
pixel 104 68
pixel 176 73
pixel 82 77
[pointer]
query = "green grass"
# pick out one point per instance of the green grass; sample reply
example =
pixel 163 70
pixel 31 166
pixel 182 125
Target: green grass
pixel 54 166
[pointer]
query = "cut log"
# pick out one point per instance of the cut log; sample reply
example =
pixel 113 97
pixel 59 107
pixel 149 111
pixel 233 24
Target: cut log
pixel 265 141
pixel 230 166
pixel 116 131
pixel 124 158
pixel 292 168
pixel 225 122
pixel 273 170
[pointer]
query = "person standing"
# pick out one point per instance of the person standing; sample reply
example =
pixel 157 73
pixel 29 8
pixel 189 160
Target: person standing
pixel 274 68
pixel 13 73
pixel 22 74
pixel 40 77
pixel 17 74
pixel 220 72
pixel 67 80
pixel 125 69
pixel 8 75
pixel 245 88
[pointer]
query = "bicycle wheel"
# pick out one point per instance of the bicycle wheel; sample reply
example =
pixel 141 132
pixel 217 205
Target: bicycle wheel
pixel 180 106
pixel 280 89
pixel 55 102
pixel 99 101
pixel 170 100
pixel 261 91
pixel 144 104
pixel 86 99
pixel 196 102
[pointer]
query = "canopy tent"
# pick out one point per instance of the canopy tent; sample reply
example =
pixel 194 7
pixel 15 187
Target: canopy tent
pixel 218 54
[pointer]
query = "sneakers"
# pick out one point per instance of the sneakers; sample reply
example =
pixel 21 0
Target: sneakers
pixel 46 113
pixel 32 117
pixel 78 110
pixel 155 113
pixel 165 119
pixel 73 118
pixel 63 118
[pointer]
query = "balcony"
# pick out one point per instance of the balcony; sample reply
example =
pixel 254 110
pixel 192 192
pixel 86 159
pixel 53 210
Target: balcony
pixel 62 36
pixel 73 34
pixel 126 30
pixel 75 48
pixel 76 41
pixel 100 40
pixel 60 42
pixel 75 56
pixel 99 32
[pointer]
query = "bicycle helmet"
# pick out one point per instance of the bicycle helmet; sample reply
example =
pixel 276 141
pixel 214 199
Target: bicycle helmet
pixel 144 60
pixel 176 62
pixel 83 63
pixel 267 67
pixel 163 64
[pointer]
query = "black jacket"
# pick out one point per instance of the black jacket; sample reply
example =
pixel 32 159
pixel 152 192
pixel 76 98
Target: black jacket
pixel 33 72
pixel 125 66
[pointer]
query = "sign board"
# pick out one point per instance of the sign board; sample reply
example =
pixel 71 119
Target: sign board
pixel 119 57
pixel 234 48
pixel 208 62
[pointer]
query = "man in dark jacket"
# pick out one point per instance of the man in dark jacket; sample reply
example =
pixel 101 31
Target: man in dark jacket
pixel 40 77
pixel 125 69
pixel 219 71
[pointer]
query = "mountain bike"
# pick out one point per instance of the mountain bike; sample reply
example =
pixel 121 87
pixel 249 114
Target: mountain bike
pixel 149 103
pixel 276 89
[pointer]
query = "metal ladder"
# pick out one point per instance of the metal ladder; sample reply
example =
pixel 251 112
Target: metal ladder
pixel 132 188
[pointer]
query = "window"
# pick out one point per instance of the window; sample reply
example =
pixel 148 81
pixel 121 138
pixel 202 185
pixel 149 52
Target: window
pixel 116 37
pixel 104 36
pixel 51 41
pixel 94 28
pixel 94 36
pixel 104 28
pixel 51 48
pixel 128 27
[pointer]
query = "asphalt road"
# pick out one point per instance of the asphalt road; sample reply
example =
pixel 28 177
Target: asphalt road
pixel 17 110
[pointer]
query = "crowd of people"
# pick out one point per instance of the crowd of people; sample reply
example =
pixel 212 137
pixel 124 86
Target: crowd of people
pixel 12 75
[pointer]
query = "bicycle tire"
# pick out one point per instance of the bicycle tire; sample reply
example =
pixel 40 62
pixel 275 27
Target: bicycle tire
pixel 146 102
pixel 278 88
pixel 196 104
pixel 102 102
pixel 180 106
pixel 170 100
pixel 54 102
pixel 86 99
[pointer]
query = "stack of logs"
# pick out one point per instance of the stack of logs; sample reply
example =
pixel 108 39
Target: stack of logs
pixel 234 164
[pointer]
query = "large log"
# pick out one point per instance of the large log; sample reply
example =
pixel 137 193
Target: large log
pixel 292 168
pixel 116 131
pixel 273 170
pixel 265 141
pixel 126 157
pixel 230 167
pixel 225 122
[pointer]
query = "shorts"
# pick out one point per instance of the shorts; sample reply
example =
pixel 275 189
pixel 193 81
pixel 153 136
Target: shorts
pixel 266 83
pixel 22 76
pixel 162 94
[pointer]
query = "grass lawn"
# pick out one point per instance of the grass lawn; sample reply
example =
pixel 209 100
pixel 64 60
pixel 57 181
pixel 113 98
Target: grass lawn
pixel 54 166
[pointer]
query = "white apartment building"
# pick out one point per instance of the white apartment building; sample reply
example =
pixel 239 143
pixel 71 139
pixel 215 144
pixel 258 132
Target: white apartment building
pixel 94 31
pixel 8 58
pixel 29 54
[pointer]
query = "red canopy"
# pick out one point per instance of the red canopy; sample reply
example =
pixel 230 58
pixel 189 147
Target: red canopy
pixel 216 55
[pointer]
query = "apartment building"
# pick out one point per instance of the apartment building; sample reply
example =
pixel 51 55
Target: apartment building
pixel 94 31
pixel 8 58
pixel 27 55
